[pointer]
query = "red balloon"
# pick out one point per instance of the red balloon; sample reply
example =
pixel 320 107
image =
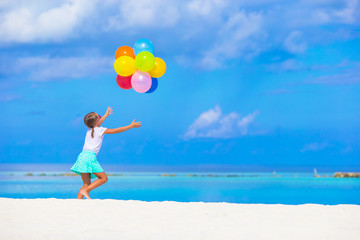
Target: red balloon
pixel 124 51
pixel 124 82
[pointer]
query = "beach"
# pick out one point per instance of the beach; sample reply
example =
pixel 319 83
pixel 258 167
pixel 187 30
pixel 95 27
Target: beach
pixel 131 219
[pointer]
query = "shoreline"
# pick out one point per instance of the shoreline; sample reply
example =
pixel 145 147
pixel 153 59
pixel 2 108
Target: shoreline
pixel 176 202
pixel 53 218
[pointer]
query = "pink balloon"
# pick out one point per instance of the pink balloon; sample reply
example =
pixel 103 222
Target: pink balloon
pixel 141 81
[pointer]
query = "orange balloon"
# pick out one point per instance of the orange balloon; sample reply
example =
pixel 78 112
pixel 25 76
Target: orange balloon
pixel 124 51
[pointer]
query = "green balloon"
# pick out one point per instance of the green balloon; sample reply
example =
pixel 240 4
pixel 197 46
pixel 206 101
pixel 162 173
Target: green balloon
pixel 145 61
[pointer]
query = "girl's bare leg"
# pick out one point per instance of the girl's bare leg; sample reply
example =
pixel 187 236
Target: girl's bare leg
pixel 86 179
pixel 102 178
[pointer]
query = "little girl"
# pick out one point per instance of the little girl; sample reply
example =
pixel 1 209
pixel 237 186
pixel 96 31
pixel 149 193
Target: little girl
pixel 86 164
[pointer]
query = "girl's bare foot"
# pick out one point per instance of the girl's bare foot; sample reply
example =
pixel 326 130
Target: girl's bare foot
pixel 85 193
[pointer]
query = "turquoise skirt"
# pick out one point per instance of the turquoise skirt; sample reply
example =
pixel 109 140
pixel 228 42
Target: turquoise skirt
pixel 87 163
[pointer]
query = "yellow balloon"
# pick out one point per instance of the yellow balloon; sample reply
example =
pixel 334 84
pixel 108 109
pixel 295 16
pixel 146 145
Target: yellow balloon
pixel 159 69
pixel 124 66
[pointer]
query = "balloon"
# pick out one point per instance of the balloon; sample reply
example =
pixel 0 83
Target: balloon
pixel 124 82
pixel 143 45
pixel 124 51
pixel 154 85
pixel 141 81
pixel 145 61
pixel 125 66
pixel 159 68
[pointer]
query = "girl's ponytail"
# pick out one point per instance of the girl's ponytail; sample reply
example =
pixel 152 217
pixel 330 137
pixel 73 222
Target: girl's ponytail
pixel 90 121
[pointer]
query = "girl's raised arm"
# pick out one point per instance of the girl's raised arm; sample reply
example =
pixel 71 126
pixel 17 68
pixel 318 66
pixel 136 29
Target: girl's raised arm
pixel 122 129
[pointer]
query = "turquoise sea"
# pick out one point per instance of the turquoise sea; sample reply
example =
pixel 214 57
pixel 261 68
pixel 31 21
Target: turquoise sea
pixel 233 187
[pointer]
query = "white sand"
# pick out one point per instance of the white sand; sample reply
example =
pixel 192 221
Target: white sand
pixel 116 219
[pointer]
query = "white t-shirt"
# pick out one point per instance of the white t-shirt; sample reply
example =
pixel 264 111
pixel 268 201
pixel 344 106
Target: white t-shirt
pixel 94 143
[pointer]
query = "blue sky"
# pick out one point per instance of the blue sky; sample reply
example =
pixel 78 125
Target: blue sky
pixel 266 84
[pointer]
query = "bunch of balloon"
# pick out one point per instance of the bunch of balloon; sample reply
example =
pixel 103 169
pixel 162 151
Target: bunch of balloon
pixel 137 67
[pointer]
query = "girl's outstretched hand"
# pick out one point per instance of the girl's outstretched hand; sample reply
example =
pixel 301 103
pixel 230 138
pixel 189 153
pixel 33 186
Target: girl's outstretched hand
pixel 109 110
pixel 135 124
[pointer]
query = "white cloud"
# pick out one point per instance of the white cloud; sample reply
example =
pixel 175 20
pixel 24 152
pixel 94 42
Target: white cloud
pixel 144 13
pixel 314 147
pixel 205 120
pixel 345 15
pixel 348 76
pixel 44 68
pixel 8 97
pixel 27 24
pixel 310 13
pixel 286 65
pixel 205 7
pixel 294 43
pixel 213 124
pixel 206 33
pixel 278 91
pixel 235 38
